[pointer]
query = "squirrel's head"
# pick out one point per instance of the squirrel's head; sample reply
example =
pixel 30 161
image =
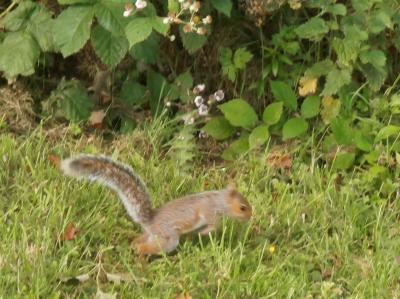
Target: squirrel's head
pixel 238 206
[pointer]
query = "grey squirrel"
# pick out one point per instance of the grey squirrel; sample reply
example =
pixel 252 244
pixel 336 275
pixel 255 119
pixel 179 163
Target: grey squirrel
pixel 163 226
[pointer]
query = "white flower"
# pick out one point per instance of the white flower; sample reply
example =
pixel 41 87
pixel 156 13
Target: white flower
pixel 189 120
pixel 203 134
pixel 195 6
pixel 128 9
pixel 207 20
pixel 186 5
pixel 168 104
pixel 172 38
pixel 127 13
pixel 181 1
pixel 198 101
pixel 219 95
pixel 200 87
pixel 166 20
pixel 140 4
pixel 203 109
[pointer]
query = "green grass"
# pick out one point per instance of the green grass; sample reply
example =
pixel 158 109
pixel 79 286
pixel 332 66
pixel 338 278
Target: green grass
pixel 331 240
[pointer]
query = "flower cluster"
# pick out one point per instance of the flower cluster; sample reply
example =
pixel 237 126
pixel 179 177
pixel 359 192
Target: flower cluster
pixel 129 7
pixel 201 104
pixel 195 23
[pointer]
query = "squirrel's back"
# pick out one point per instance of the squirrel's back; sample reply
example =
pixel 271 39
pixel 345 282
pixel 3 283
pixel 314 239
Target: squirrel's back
pixel 118 177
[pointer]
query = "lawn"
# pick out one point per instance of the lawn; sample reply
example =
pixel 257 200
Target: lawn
pixel 315 233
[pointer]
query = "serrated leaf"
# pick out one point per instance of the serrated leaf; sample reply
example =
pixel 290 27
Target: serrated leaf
pixel 272 113
pixel 239 113
pixel 375 76
pixel 386 132
pixel 320 68
pixel 159 25
pixel 219 128
pixel 343 161
pixel 310 107
pixel 237 148
pixel 314 29
pixel 19 53
pixel 362 142
pixel 346 50
pixel 337 9
pixel 294 127
pixel 341 131
pixel 223 6
pixel 307 85
pixel 192 41
pixel 379 21
pixel 148 49
pixel 138 30
pixel 354 32
pixel 335 80
pixel 72 29
pixel 241 58
pixel 19 17
pixel 330 109
pixel 132 92
pixel 283 92
pixel 375 57
pixel 109 15
pixel 110 48
pixel 258 136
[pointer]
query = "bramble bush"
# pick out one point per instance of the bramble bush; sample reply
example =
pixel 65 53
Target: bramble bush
pixel 281 69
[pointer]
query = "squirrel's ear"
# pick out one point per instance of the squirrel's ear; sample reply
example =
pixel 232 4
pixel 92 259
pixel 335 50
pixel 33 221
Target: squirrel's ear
pixel 231 186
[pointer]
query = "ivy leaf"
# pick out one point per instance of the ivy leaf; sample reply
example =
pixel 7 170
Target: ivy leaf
pixel 239 113
pixel 335 80
pixel 258 136
pixel 283 92
pixel 241 57
pixel 109 47
pixel 223 6
pixel 342 131
pixel 272 113
pixel 314 29
pixel 294 127
pixel 138 30
pixel 310 107
pixel 109 16
pixel 19 53
pixel 192 41
pixel 237 148
pixel 219 128
pixel 72 29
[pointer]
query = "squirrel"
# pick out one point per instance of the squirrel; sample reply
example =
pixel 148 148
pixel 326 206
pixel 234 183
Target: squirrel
pixel 163 226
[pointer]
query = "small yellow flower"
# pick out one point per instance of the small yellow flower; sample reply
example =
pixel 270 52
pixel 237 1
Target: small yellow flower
pixel 272 249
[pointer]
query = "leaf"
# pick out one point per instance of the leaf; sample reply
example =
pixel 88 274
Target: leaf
pixel 337 9
pixel 109 15
pixel 342 131
pixel 314 29
pixel 18 18
pixel 103 295
pixel 65 2
pixel 308 85
pixel 283 92
pixel 239 113
pixel 258 136
pixel 362 142
pixel 138 30
pixel 387 132
pixel 117 278
pixel 223 6
pixel 241 57
pixel 343 160
pixel 237 148
pixel 310 107
pixel 294 127
pixel 96 117
pixel 375 57
pixel 132 92
pixel 147 50
pixel 330 109
pixel 159 88
pixel 219 128
pixel 110 48
pixel 379 21
pixel 192 41
pixel 375 76
pixel 72 29
pixel 19 53
pixel 173 6
pixel 335 80
pixel 346 50
pixel 184 295
pixel 159 25
pixel 320 68
pixel 70 232
pixel 278 158
pixel 272 113
pixel 55 160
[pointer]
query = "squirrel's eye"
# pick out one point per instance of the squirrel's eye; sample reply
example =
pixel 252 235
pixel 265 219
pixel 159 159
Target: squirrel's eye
pixel 243 208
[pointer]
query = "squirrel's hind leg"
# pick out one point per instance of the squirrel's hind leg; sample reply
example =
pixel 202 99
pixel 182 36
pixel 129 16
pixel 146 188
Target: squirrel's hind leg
pixel 157 245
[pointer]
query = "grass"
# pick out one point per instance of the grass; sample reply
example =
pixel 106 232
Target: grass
pixel 310 237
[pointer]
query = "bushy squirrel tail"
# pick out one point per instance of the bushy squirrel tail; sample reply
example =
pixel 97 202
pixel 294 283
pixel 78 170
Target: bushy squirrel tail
pixel 117 176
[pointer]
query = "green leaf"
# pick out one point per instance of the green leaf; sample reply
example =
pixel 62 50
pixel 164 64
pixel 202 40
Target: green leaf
pixel 241 57
pixel 173 6
pixel 337 9
pixel 387 132
pixel 239 113
pixel 237 148
pixel 283 92
pixel 159 26
pixel 18 18
pixel 219 128
pixel 19 53
pixel 346 50
pixel 225 56
pixel 314 29
pixel 159 88
pixel 147 50
pixel 375 57
pixel 72 29
pixel 343 161
pixel 192 41
pixel 223 6
pixel 362 142
pixel 294 127
pixel 375 76
pixel 379 21
pixel 68 2
pixel 132 92
pixel 310 107
pixel 342 131
pixel 272 113
pixel 109 15
pixel 110 48
pixel 138 30
pixel 335 80
pixel 259 136
pixel 362 5
pixel 320 68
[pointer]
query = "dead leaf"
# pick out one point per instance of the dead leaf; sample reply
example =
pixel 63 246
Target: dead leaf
pixel 279 159
pixel 330 109
pixel 327 273
pixel 75 280
pixel 117 278
pixel 102 295
pixel 96 117
pixel 365 266
pixel 308 85
pixel 70 232
pixel 184 295
pixel 55 160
